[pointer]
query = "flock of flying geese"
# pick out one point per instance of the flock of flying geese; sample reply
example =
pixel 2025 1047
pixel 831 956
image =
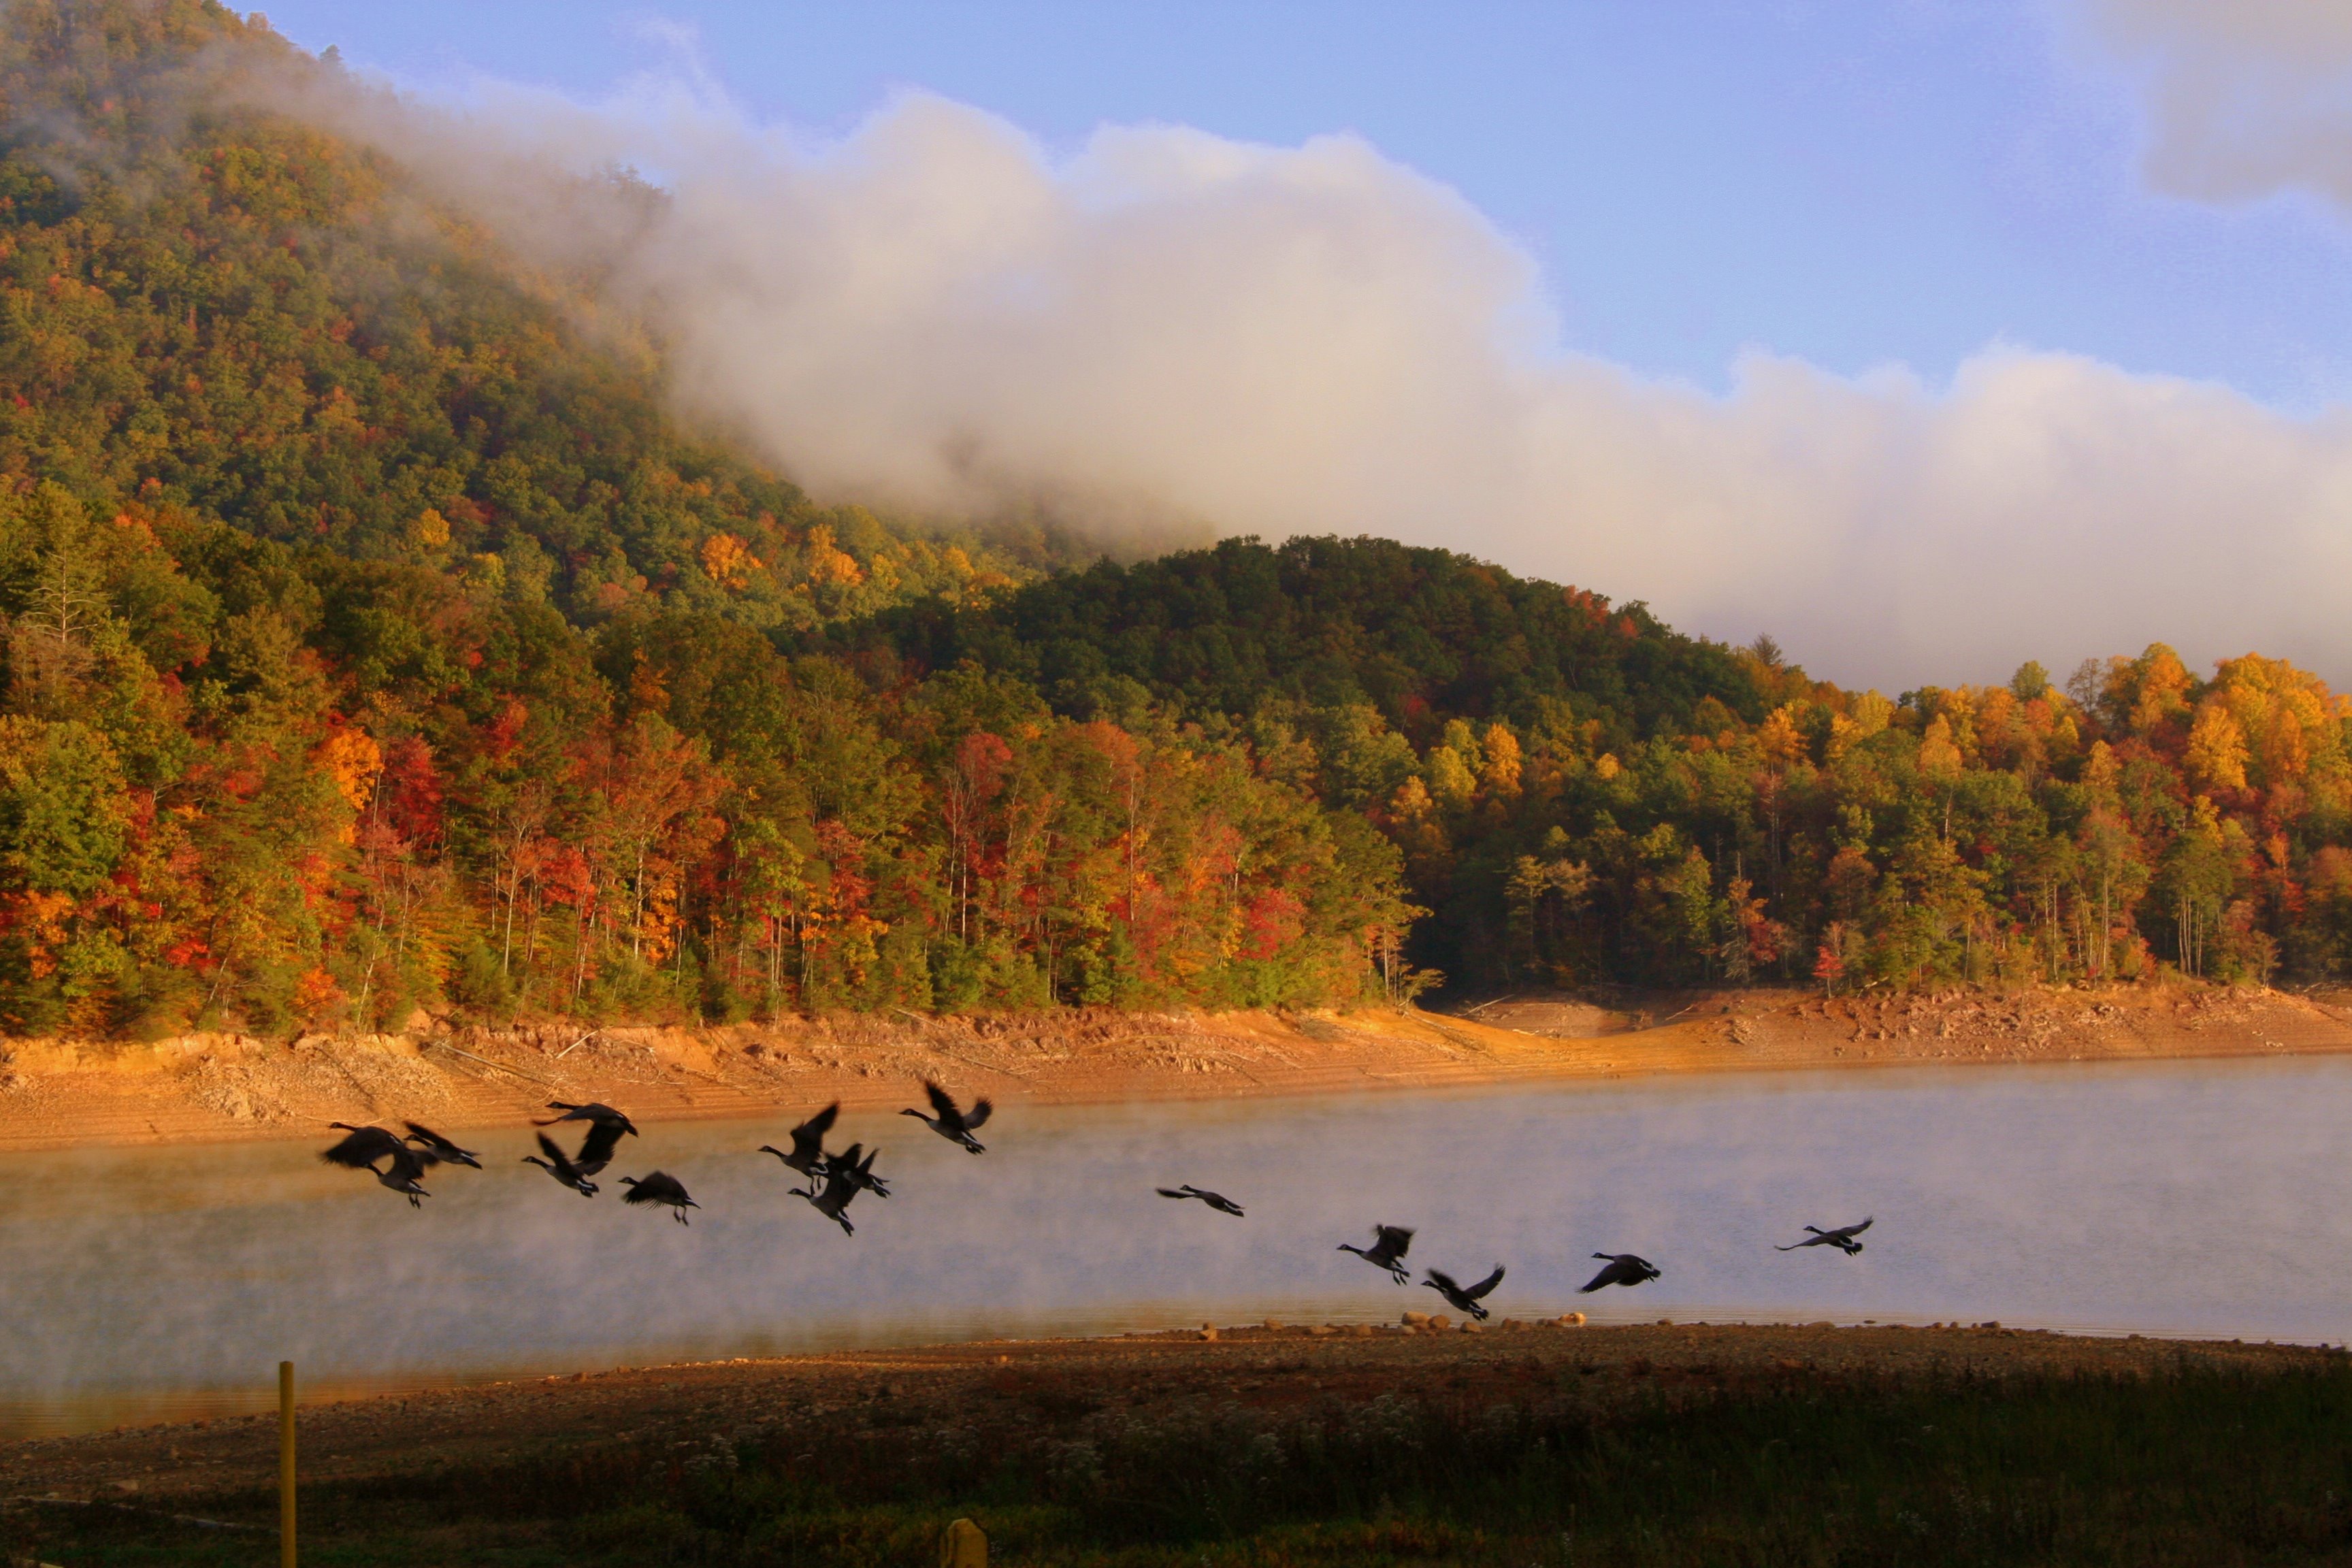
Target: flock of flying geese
pixel 399 1161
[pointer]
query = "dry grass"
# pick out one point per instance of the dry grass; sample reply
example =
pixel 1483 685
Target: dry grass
pixel 1653 1446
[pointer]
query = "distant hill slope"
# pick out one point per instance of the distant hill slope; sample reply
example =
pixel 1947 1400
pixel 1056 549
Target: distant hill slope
pixel 224 310
pixel 1420 635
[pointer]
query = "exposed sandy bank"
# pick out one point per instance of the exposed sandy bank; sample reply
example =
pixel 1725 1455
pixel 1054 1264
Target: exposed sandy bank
pixel 214 1087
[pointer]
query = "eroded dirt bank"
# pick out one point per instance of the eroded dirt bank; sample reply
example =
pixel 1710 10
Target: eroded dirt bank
pixel 682 1411
pixel 203 1088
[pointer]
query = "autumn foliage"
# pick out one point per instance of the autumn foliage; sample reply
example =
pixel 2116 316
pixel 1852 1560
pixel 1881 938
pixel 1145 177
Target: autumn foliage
pixel 372 638
pixel 1583 796
pixel 239 782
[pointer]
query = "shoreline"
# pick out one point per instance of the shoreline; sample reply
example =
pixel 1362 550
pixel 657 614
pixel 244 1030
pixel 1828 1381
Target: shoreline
pixel 415 1428
pixel 115 1412
pixel 233 1088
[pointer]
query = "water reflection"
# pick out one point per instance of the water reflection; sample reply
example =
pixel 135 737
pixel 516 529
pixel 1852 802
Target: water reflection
pixel 2183 1198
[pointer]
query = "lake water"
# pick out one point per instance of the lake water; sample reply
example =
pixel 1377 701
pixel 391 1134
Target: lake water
pixel 2185 1199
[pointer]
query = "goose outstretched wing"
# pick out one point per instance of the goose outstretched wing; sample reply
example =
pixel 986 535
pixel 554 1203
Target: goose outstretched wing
pixel 596 1148
pixel 362 1148
pixel 557 1160
pixel 808 1138
pixel 443 1147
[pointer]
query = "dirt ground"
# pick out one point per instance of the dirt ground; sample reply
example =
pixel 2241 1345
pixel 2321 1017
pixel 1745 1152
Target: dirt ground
pixel 208 1087
pixel 1263 1369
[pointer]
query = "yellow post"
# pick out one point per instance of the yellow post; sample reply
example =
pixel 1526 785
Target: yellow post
pixel 286 1464
pixel 963 1546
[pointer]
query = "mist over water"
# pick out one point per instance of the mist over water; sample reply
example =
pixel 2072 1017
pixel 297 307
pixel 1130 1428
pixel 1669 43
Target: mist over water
pixel 2182 1199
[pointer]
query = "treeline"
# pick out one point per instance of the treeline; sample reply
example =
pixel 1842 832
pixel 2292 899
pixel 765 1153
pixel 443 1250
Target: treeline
pixel 242 782
pixel 1584 797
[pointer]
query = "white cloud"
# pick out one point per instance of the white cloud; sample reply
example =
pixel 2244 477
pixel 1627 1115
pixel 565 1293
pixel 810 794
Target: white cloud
pixel 1165 325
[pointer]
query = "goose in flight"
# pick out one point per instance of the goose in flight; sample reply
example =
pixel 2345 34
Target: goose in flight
pixel 808 1143
pixel 1217 1201
pixel 1390 1244
pixel 1465 1297
pixel 1624 1269
pixel 860 1171
pixel 440 1147
pixel 362 1148
pixel 596 1148
pixel 559 1165
pixel 603 1115
pixel 840 1187
pixel 660 1187
pixel 1843 1238
pixel 366 1145
pixel 955 1126
pixel 406 1166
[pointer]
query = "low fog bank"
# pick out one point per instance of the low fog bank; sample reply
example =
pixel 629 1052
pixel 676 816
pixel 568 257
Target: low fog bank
pixel 1164 330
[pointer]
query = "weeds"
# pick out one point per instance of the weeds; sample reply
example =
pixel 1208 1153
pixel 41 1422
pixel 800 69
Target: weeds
pixel 2197 1466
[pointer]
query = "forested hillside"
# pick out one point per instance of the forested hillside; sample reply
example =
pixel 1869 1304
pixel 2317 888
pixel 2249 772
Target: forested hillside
pixel 376 638
pixel 226 310
pixel 1585 797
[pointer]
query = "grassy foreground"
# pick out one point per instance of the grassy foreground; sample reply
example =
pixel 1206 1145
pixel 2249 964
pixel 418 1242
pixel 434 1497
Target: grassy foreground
pixel 2192 1465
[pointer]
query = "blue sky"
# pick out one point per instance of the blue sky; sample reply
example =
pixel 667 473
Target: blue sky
pixel 1850 183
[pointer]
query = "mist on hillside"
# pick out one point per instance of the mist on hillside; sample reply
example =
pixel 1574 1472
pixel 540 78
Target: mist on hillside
pixel 1163 332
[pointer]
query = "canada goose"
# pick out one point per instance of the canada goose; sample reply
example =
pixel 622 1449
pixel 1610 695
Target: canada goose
pixel 560 1166
pixel 1217 1201
pixel 840 1187
pixel 1843 1238
pixel 440 1147
pixel 366 1145
pixel 1624 1269
pixel 400 1174
pixel 1465 1297
pixel 808 1141
pixel 1390 1244
pixel 659 1188
pixel 955 1126
pixel 364 1148
pixel 596 1148
pixel 860 1171
pixel 603 1115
